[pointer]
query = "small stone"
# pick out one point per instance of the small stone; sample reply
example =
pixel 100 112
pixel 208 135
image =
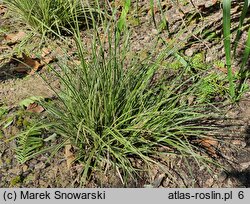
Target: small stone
pixel 40 166
pixel 154 31
pixel 15 171
pixel 209 182
pixel 147 38
pixel 189 52
pixel 232 114
pixel 165 182
pixel 237 142
pixel 244 165
pixel 25 167
pixel 43 158
pixel 229 183
pixel 32 163
pixel 43 184
pixel 215 185
pixel 190 100
pixel 157 182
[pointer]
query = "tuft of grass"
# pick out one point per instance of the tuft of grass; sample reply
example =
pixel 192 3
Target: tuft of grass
pixel 50 16
pixel 112 110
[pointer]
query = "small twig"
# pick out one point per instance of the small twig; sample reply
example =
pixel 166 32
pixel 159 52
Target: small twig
pixel 120 176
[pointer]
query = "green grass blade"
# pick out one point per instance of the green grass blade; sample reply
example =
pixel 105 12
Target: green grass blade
pixel 242 71
pixel 227 44
pixel 246 52
pixel 152 12
pixel 122 21
pixel 242 17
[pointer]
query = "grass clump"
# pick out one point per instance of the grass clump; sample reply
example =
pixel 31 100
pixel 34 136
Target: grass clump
pixel 49 16
pixel 112 110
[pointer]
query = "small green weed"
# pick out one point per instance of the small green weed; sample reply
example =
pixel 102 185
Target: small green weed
pixel 15 181
pixel 211 86
pixel 3 110
pixel 28 144
pixel 197 62
pixel 5 120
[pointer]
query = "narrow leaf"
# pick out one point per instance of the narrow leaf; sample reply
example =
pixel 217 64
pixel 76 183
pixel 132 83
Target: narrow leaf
pixel 227 44
pixel 245 56
pixel 242 17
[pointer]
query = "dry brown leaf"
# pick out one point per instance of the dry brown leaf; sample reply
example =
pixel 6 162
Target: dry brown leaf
pixel 28 65
pixel 21 69
pixel 224 69
pixel 69 156
pixel 47 60
pixel 5 47
pixel 35 108
pixel 45 51
pixel 47 56
pixel 58 52
pixel 209 142
pixel 15 37
pixel 210 145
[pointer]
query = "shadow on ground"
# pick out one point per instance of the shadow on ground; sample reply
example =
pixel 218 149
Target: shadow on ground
pixel 6 71
pixel 247 137
pixel 243 176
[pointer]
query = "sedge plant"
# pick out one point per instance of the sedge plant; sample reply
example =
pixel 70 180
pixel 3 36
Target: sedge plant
pixel 113 110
